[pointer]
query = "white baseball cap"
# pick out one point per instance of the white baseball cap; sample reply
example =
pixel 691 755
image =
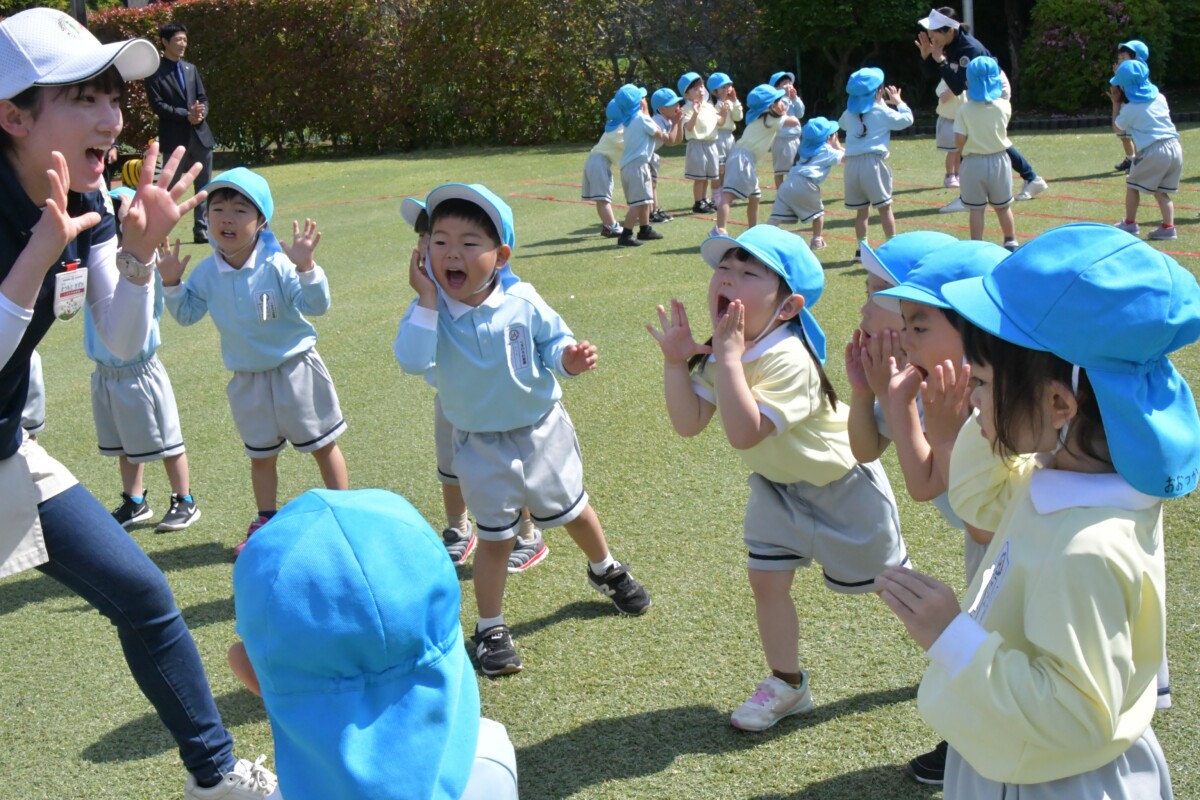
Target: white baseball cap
pixel 937 20
pixel 44 47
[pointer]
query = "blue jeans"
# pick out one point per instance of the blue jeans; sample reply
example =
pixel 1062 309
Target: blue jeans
pixel 96 559
pixel 1021 164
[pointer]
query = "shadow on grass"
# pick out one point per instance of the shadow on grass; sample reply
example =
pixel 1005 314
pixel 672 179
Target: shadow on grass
pixel 646 744
pixel 15 596
pixel 580 610
pixel 189 556
pixel 1093 176
pixel 146 736
pixel 870 782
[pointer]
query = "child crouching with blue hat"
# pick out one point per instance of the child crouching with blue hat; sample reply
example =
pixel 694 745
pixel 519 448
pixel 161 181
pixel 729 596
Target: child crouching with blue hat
pixel 1158 165
pixel 1044 680
pixel 799 196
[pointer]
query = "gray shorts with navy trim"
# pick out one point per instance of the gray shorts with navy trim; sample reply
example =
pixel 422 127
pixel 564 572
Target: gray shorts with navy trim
pixel 295 402
pixel 851 527
pixel 597 179
pixel 868 181
pixel 798 200
pixel 538 466
pixel 135 413
pixel 701 160
pixel 638 184
pixel 725 140
pixel 946 142
pixel 783 154
pixel 985 180
pixel 443 442
pixel 1157 168
pixel 741 174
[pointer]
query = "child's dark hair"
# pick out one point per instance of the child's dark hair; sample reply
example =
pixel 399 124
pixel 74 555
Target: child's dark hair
pixel 31 99
pixel 1123 49
pixel 693 84
pixel 697 361
pixel 862 120
pixel 168 31
pixel 1019 376
pixel 466 210
pixel 947 11
pixel 227 194
pixel 421 226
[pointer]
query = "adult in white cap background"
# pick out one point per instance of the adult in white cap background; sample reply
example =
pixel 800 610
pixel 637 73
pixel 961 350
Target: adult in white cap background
pixel 60 92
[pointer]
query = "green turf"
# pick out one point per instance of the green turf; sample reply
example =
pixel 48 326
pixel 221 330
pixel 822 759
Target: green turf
pixel 607 706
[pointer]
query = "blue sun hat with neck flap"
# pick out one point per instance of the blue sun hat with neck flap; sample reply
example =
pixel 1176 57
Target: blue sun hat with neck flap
pixel 861 89
pixel 983 79
pixel 760 99
pixel 893 259
pixel 787 255
pixel 612 116
pixel 717 80
pixel 1107 302
pixel 629 102
pixel 778 76
pixel 814 135
pixel 496 209
pixel 664 97
pixel 953 262
pixel 253 187
pixel 1134 79
pixel 685 81
pixel 1139 49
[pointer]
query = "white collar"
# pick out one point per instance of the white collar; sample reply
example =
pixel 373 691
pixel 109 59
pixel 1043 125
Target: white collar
pixel 493 300
pixel 759 348
pixel 223 265
pixel 1056 490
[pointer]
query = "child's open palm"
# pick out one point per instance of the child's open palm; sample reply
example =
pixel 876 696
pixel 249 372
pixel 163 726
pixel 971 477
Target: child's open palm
pixel 579 358
pixel 304 243
pixel 729 339
pixel 925 605
pixel 676 339
pixel 944 394
pixel 876 355
pixel 170 266
pixel 855 371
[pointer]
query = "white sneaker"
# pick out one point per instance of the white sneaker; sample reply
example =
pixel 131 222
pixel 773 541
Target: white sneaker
pixel 250 780
pixel 951 182
pixel 954 205
pixel 1128 227
pixel 772 700
pixel 1032 188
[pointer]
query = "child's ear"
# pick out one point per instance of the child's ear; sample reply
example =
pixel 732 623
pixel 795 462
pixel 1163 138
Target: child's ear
pixel 1060 404
pixel 791 307
pixel 503 253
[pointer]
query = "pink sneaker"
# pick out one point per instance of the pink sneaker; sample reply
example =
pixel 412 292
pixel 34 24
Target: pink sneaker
pixel 772 700
pixel 254 526
pixel 951 182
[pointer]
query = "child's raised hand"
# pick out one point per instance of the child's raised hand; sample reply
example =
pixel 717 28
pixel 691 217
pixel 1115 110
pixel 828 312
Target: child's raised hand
pixel 925 605
pixel 170 266
pixel 421 281
pixel 945 394
pixel 729 339
pixel 875 356
pixel 676 340
pixel 156 208
pixel 304 243
pixel 579 358
pixel 854 364
pixel 905 382
pixel 892 96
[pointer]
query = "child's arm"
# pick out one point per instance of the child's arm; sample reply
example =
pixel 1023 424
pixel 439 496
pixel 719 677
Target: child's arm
pixel 187 302
pixel 745 424
pixel 690 116
pixel 416 342
pixel 866 442
pixel 239 662
pixel 901 116
pixel 307 288
pixel 960 140
pixel 689 413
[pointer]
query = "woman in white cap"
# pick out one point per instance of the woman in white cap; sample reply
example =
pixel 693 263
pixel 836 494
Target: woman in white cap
pixel 60 95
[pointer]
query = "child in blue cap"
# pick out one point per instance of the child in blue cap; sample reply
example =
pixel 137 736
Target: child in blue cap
pixel 868 121
pixel 1126 51
pixel 799 197
pixel 981 131
pixel 809 499
pixel 667 108
pixel 729 113
pixel 642 136
pixel 258 290
pixel 598 170
pixel 348 613
pixel 1044 680
pixel 787 141
pixel 701 163
pixel 1158 164
pixel 495 347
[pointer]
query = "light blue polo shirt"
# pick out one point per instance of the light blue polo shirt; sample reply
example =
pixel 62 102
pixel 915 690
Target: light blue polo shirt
pixel 93 345
pixel 639 140
pixel 795 108
pixel 1147 123
pixel 880 121
pixel 816 167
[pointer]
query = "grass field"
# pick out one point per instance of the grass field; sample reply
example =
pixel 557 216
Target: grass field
pixel 607 707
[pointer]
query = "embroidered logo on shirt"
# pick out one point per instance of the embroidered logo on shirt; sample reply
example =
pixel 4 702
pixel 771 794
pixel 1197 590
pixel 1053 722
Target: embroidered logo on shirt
pixel 518 347
pixel 264 303
pixel 993 579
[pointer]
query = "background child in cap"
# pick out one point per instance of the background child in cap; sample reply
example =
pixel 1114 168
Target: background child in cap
pixel 868 121
pixel 809 499
pixel 355 646
pixel 1159 161
pixel 729 113
pixel 280 390
pixel 1134 49
pixel 597 171
pixel 787 141
pixel 947 111
pixel 668 115
pixel 702 160
pixel 514 444
pixel 766 115
pixel 1044 682
pixel 459 535
pixel 799 197
pixel 641 136
pixel 981 131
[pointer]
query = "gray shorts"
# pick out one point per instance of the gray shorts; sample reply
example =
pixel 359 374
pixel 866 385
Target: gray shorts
pixel 597 179
pixel 741 174
pixel 798 200
pixel 725 140
pixel 945 135
pixel 33 415
pixel 986 180
pixel 537 466
pixel 443 443
pixel 868 181
pixel 637 183
pixel 851 527
pixel 295 402
pixel 135 413
pixel 783 154
pixel 655 165
pixel 1157 168
pixel 701 161
pixel 1140 773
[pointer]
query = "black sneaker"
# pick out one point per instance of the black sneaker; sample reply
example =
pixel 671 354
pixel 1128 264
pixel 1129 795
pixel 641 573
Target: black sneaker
pixel 700 207
pixel 626 239
pixel 1123 165
pixel 610 233
pixel 930 768
pixel 647 233
pixel 495 651
pixel 709 205
pixel 130 513
pixel 629 596
pixel 181 514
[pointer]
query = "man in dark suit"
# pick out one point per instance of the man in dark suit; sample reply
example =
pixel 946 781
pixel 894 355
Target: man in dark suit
pixel 177 96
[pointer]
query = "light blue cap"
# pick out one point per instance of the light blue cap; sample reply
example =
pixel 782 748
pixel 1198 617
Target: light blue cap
pixel 778 76
pixel 1110 303
pixel 951 262
pixel 250 184
pixel 787 255
pixel 612 116
pixel 349 610
pixel 814 135
pixel 895 257
pixel 496 209
pixel 410 210
pixel 861 88
pixel 761 98
pixel 629 101
pixel 122 192
pixel 983 79
pixel 686 80
pixel 1134 79
pixel 1139 49
pixel 664 97
pixel 717 80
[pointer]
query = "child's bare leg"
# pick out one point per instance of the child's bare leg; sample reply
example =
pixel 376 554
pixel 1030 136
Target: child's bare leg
pixel 752 211
pixel 526 527
pixel 455 505
pixel 333 466
pixel 952 161
pixel 1008 225
pixel 977 223
pixel 1127 144
pixel 239 662
pixel 643 214
pixel 860 223
pixel 604 210
pixel 654 193
pixel 779 180
pixel 818 225
pixel 131 476
pixel 887 220
pixel 265 480
pixel 587 534
pixel 1166 207
pixel 1132 200
pixel 177 474
pixel 724 201
pixel 631 217
pixel 720 180
pixel 490 574
pixel 778 626
pixel 698 189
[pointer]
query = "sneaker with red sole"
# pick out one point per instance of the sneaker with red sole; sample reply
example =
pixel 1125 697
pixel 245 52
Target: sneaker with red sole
pixel 528 554
pixel 458 544
pixel 254 526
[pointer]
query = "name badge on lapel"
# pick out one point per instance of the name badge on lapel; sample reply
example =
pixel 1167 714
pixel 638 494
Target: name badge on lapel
pixel 70 290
